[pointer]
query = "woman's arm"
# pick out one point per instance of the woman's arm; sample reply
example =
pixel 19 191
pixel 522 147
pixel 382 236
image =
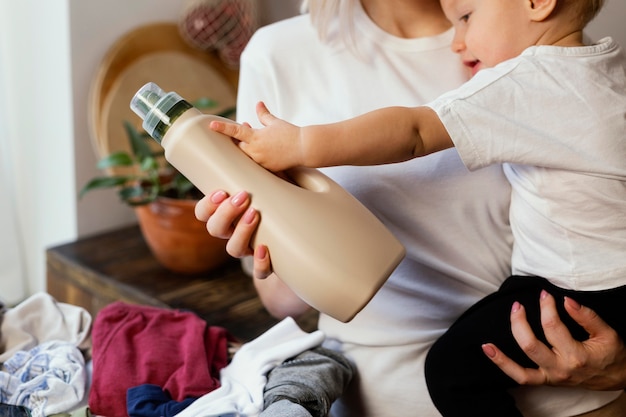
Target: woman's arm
pixel 598 363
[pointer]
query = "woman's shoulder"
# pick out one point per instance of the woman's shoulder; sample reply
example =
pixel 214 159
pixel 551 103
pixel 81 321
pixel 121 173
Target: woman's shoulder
pixel 297 29
pixel 286 40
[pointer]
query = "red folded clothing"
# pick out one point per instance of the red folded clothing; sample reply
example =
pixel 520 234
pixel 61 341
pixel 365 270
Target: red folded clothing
pixel 135 345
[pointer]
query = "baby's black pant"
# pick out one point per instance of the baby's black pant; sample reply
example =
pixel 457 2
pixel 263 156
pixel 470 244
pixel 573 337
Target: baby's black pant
pixel 462 381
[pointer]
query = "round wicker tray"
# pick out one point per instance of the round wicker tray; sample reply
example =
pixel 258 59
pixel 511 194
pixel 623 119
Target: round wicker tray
pixel 154 53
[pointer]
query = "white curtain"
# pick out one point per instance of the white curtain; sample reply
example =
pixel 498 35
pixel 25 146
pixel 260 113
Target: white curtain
pixel 12 276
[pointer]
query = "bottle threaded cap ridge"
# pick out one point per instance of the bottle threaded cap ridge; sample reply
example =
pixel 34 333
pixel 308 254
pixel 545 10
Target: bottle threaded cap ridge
pixel 152 104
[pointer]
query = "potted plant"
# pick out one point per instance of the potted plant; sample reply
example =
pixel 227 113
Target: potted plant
pixel 163 200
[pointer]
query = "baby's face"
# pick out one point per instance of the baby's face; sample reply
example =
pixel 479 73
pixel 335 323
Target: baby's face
pixel 488 32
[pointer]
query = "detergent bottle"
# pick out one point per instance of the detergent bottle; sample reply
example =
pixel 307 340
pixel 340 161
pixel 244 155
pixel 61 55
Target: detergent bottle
pixel 324 244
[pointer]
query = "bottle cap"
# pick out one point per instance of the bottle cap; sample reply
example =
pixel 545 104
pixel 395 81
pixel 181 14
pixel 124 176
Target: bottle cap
pixel 152 104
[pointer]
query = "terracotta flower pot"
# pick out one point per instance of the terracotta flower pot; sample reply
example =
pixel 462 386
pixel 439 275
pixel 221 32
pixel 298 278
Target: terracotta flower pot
pixel 178 240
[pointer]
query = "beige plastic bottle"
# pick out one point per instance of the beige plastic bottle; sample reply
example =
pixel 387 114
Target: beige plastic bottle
pixel 324 244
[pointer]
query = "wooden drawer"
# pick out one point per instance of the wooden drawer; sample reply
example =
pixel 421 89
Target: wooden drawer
pixel 95 271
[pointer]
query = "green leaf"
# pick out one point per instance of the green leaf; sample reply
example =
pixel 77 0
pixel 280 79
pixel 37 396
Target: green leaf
pixel 204 103
pixel 138 195
pixel 149 164
pixel 116 159
pixel 104 182
pixel 138 143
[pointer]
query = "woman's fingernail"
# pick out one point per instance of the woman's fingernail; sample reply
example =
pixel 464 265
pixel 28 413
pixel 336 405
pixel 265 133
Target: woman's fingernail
pixel 218 196
pixel 543 295
pixel 573 303
pixel 248 216
pixel 489 351
pixel 239 198
pixel 515 308
pixel 261 252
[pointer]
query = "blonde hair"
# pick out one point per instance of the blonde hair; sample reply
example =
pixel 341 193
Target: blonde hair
pixel 333 18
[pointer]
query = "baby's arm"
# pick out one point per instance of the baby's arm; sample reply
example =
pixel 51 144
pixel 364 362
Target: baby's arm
pixel 382 136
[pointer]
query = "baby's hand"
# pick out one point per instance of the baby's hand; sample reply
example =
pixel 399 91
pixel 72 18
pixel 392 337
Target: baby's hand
pixel 275 147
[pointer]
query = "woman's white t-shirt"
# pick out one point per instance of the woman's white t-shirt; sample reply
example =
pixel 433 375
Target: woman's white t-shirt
pixel 453 223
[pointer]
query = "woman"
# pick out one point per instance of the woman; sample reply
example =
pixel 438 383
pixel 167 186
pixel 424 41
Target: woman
pixel 352 57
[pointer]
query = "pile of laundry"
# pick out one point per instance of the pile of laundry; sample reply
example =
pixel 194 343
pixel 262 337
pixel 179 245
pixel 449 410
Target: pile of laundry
pixel 44 346
pixel 141 361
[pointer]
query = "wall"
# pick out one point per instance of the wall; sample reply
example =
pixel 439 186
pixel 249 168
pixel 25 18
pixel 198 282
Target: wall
pixel 38 126
pixel 94 27
pixel 49 58
pixel 50 50
pixel 610 21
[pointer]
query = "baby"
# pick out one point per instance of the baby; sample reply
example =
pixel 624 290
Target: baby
pixel 552 111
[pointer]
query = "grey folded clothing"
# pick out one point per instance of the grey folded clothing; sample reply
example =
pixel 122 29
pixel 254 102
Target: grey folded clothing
pixel 313 380
pixel 285 408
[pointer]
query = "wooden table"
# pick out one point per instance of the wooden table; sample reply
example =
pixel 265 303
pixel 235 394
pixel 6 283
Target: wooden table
pixel 95 271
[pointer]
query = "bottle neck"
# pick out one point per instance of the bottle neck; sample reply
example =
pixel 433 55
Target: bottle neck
pixel 166 120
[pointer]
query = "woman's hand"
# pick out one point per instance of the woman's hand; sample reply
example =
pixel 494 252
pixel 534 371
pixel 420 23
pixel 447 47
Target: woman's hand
pixel 598 363
pixel 234 219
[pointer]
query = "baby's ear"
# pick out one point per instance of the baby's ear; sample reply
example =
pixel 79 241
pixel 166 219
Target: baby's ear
pixel 540 10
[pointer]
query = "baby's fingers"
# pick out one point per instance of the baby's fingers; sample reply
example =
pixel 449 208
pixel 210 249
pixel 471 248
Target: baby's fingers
pixel 234 130
pixel 263 114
